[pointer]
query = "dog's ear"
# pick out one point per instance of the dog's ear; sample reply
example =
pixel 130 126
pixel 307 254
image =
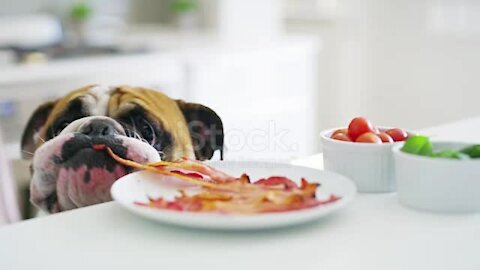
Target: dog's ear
pixel 206 129
pixel 35 123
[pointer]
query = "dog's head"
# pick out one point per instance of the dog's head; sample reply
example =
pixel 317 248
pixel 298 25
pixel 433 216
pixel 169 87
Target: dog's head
pixel 136 123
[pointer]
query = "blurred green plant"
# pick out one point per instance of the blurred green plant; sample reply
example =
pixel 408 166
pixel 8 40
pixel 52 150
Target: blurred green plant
pixel 80 11
pixel 183 6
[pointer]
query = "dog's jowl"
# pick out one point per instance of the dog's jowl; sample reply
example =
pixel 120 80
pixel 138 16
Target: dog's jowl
pixel 139 124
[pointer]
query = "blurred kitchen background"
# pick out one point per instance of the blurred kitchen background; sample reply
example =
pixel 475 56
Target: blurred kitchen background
pixel 276 71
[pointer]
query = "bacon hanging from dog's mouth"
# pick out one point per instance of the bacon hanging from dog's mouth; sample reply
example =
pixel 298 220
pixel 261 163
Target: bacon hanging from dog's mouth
pixel 222 193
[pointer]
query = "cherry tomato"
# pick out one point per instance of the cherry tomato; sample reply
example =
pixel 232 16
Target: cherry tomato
pixel 342 130
pixel 398 135
pixel 358 126
pixel 342 137
pixel 368 137
pixel 385 137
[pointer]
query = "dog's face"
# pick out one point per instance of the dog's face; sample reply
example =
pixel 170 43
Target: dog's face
pixel 136 123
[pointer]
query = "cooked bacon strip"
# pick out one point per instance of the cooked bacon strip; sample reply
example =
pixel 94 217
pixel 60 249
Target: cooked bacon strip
pixel 147 167
pixel 219 178
pixel 219 202
pixel 277 180
pixel 196 166
pixel 188 174
pixel 222 193
pixel 175 164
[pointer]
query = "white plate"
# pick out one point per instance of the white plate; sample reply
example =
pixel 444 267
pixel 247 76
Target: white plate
pixel 139 186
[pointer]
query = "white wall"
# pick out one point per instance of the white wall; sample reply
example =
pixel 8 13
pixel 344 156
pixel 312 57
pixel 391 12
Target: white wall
pixel 418 61
pixel 403 63
pixel 326 98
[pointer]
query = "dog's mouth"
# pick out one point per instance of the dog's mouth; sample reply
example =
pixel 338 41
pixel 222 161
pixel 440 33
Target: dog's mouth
pixel 79 151
pixel 86 179
pixel 83 176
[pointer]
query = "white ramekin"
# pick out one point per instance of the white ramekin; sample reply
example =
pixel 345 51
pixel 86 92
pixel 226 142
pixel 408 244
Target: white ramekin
pixel 438 184
pixel 369 165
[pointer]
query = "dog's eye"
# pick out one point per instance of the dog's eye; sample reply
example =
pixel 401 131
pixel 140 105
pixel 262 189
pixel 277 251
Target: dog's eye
pixel 61 126
pixel 147 132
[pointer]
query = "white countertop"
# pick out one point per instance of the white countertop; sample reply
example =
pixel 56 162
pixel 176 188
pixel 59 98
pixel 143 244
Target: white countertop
pixel 373 232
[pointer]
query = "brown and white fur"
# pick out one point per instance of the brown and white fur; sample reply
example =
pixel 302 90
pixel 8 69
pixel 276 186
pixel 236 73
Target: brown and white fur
pixel 139 124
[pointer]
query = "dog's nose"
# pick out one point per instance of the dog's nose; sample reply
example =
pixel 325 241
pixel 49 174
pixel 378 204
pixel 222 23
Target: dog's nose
pixel 99 127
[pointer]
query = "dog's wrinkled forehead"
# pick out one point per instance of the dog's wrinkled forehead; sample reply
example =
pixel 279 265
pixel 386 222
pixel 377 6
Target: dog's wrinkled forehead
pixel 133 106
pixel 86 101
pixel 100 100
pixel 96 100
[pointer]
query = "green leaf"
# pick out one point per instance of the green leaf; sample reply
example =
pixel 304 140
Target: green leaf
pixel 418 145
pixel 472 151
pixel 450 154
pixel 182 6
pixel 80 11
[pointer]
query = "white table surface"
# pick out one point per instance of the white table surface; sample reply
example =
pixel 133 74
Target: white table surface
pixel 373 232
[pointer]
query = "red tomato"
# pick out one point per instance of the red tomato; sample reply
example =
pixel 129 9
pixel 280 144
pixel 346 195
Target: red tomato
pixel 358 126
pixel 342 137
pixel 342 130
pixel 385 137
pixel 368 137
pixel 398 135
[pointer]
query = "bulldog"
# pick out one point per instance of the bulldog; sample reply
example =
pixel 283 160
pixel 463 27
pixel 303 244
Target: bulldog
pixel 139 124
